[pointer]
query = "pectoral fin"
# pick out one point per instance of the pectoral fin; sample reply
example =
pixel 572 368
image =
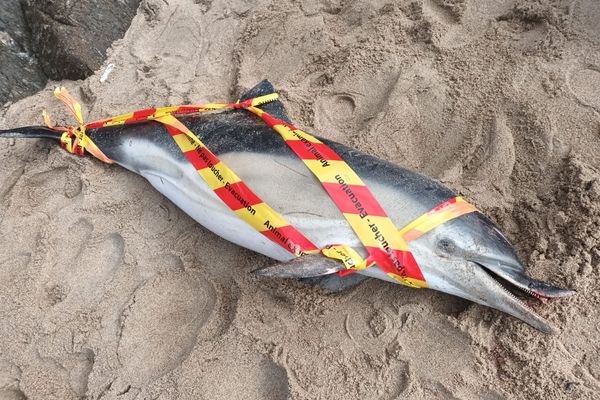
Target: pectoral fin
pixel 306 266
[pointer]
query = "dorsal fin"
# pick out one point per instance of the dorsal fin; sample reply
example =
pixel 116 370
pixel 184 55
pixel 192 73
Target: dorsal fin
pixel 275 108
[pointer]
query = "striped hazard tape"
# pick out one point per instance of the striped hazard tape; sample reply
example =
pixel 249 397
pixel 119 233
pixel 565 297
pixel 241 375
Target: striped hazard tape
pixel 386 245
pixel 442 213
pixel 448 210
pixel 235 193
pixel 221 179
pixel 368 219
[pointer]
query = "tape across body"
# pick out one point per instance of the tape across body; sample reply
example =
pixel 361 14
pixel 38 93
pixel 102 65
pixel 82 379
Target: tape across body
pixel 387 246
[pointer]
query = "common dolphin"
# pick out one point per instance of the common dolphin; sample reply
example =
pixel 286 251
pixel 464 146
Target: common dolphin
pixel 466 257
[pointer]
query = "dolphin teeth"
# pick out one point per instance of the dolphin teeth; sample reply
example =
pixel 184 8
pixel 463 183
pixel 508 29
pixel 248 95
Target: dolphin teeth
pixel 527 314
pixel 533 287
pixel 307 266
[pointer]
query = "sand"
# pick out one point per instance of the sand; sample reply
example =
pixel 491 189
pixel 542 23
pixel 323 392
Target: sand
pixel 108 291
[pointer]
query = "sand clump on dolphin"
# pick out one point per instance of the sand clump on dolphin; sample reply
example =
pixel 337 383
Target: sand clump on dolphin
pixel 466 256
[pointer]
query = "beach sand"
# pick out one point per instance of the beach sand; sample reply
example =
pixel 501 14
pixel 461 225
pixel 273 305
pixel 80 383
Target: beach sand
pixel 108 291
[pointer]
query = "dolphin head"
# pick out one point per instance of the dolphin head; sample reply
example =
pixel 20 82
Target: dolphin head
pixel 470 258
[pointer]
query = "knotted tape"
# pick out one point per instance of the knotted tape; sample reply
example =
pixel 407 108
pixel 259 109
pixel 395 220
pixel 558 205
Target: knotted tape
pixel 74 139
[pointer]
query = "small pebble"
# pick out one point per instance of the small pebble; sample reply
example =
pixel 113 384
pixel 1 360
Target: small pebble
pixel 569 386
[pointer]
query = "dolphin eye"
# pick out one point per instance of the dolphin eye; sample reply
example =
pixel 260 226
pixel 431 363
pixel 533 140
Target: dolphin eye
pixel 446 245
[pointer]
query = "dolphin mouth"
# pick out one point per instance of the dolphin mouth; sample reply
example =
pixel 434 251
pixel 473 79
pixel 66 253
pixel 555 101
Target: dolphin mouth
pixel 519 292
pixel 514 278
pixel 517 296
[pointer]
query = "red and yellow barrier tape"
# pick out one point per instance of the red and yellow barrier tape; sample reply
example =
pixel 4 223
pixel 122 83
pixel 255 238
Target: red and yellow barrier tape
pixel 442 213
pixel 387 246
pixel 448 210
pixel 353 198
pixel 221 179
pixel 235 193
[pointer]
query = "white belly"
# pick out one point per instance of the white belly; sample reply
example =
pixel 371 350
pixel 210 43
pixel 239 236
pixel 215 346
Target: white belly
pixel 282 182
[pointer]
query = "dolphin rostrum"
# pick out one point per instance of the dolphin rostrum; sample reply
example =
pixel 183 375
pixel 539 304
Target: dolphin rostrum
pixel 466 257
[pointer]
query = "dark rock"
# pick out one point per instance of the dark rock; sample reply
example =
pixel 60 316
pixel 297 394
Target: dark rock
pixel 70 37
pixel 11 21
pixel 20 74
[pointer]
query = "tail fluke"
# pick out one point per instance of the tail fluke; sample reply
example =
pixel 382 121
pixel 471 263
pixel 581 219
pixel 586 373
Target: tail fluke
pixel 30 132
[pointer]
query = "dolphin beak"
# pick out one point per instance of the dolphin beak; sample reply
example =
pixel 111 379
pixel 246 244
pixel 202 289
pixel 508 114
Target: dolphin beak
pixel 491 292
pixel 514 275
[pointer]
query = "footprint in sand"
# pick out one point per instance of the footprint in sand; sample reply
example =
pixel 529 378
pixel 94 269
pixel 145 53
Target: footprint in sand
pixel 84 264
pixel 7 186
pixel 265 51
pixel 354 99
pixel 584 83
pixel 243 376
pixel 14 281
pixel 420 99
pixel 160 325
pixel 586 14
pixel 49 190
pixel 435 336
pixel 47 182
pixel 94 267
pixel 452 24
pixel 10 376
pixel 334 374
pixel 157 218
pixel 493 157
pixel 80 366
pixel 534 141
pixel 339 108
pixel 444 26
pixel 374 330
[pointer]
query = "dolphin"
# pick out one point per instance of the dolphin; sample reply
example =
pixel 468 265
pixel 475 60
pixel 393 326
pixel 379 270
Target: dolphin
pixel 466 257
